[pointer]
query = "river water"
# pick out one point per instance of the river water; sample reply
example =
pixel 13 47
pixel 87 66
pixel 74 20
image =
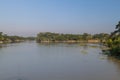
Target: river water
pixel 56 61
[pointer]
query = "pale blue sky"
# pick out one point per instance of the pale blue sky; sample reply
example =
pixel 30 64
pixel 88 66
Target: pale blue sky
pixel 28 17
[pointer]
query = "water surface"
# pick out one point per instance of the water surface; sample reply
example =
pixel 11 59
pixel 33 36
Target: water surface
pixel 56 61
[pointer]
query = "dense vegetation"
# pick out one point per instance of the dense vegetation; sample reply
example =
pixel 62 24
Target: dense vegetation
pixel 114 42
pixel 4 38
pixel 56 37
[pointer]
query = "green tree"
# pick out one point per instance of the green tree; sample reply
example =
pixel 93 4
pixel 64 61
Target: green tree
pixel 114 42
pixel 118 27
pixel 1 36
pixel 116 32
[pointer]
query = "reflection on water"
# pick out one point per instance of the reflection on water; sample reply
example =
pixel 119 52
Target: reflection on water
pixel 56 61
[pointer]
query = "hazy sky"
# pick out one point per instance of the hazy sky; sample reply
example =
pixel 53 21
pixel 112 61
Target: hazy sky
pixel 28 17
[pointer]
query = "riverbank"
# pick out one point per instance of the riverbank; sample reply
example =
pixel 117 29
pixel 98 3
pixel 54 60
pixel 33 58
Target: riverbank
pixel 10 41
pixel 112 52
pixel 70 41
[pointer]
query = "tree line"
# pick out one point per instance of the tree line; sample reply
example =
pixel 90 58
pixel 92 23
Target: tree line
pixel 56 37
pixel 4 38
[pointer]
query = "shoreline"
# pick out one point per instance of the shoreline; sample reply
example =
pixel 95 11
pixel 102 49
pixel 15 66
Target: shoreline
pixel 71 41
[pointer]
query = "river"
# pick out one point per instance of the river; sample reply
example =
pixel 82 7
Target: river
pixel 56 61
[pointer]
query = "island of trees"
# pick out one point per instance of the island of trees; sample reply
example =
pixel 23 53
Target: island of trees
pixel 112 41
pixel 85 37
